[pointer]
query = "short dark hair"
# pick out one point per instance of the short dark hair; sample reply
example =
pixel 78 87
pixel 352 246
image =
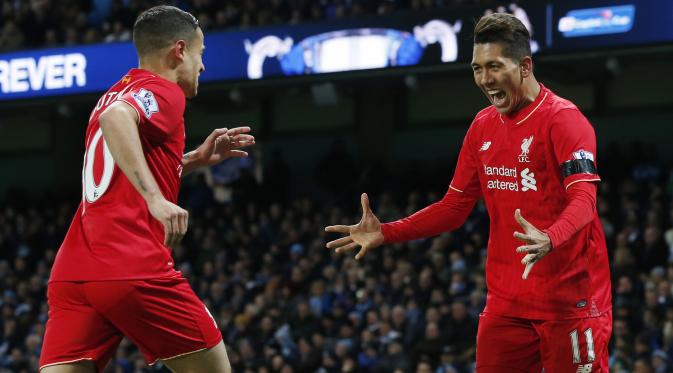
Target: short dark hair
pixel 507 30
pixel 160 26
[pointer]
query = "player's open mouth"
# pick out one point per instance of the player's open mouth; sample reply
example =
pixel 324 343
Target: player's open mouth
pixel 497 96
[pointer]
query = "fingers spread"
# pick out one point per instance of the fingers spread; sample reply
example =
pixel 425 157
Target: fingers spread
pixel 529 258
pixel 519 219
pixel 223 138
pixel 522 237
pixel 364 201
pixel 526 271
pixel 217 133
pixel 237 154
pixel 347 247
pixel 244 138
pixel 534 249
pixel 361 254
pixel 336 244
pixel 238 130
pixel 338 229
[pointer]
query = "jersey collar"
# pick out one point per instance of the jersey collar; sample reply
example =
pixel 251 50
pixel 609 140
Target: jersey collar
pixel 524 114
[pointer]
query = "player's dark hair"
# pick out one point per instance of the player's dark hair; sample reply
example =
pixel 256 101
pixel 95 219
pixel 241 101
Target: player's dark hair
pixel 505 29
pixel 161 26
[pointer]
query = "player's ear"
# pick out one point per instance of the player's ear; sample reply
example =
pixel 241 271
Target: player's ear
pixel 526 66
pixel 180 49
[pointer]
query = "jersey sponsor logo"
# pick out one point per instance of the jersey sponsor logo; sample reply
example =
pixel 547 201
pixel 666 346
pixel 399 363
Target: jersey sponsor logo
pixel 485 146
pixel 583 154
pixel 500 171
pixel 503 185
pixel 126 79
pixel 146 101
pixel 528 181
pixel 584 368
pixel 499 184
pixel 525 149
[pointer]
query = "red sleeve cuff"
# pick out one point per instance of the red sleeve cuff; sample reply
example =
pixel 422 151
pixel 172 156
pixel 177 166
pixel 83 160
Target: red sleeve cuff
pixel 572 179
pixel 386 230
pixel 552 237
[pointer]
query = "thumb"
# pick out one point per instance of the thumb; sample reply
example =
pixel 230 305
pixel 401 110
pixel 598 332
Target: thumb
pixel 218 132
pixel 364 201
pixel 519 219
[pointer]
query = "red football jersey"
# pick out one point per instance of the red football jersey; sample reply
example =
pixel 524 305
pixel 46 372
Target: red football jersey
pixel 527 161
pixel 113 236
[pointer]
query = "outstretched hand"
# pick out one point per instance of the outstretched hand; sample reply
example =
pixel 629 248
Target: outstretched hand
pixel 224 143
pixel 537 242
pixel 366 233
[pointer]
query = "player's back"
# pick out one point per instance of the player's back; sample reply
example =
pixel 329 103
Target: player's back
pixel 113 236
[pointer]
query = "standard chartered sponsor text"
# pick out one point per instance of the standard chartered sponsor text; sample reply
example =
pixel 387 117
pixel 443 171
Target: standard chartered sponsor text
pixel 507 178
pixel 502 184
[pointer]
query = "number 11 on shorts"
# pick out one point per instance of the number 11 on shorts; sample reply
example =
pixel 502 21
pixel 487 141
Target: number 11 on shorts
pixel 574 341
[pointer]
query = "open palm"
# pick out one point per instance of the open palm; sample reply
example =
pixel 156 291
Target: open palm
pixel 225 143
pixel 366 233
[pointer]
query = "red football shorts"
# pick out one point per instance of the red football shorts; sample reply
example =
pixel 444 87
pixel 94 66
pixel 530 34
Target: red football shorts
pixel 506 344
pixel 87 320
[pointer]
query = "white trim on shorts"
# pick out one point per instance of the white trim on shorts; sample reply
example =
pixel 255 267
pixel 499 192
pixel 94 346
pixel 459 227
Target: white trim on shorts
pixel 67 362
pixel 176 356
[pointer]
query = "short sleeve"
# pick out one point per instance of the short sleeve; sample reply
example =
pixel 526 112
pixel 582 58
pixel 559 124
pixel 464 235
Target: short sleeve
pixel 574 143
pixel 466 176
pixel 159 108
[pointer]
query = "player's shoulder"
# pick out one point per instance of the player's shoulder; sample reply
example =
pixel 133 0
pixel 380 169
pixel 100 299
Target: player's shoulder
pixel 159 86
pixel 558 104
pixel 485 116
pixel 155 94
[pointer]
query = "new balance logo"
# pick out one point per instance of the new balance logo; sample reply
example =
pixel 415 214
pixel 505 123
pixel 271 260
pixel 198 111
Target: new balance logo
pixel 586 368
pixel 528 180
pixel 485 146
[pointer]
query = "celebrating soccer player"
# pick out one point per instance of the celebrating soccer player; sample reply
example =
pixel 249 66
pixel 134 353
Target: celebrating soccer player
pixel 531 156
pixel 114 274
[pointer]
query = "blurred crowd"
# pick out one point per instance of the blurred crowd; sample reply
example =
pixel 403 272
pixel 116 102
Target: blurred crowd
pixel 50 23
pixel 284 303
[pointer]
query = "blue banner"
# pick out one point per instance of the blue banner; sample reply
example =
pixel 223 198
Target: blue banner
pixel 580 25
pixel 413 39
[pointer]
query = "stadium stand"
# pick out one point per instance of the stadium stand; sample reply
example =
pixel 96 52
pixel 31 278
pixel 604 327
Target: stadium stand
pixel 46 23
pixel 300 308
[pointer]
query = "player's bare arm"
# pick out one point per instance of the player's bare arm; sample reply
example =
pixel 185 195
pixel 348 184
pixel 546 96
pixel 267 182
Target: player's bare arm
pixel 221 144
pixel 537 242
pixel 119 123
pixel 366 233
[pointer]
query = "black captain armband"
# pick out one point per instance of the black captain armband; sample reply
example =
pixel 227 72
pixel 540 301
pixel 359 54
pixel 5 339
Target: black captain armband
pixel 578 166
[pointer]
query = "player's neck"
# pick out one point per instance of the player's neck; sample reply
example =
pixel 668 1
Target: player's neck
pixel 159 68
pixel 530 91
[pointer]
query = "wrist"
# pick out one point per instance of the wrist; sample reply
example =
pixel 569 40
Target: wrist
pixel 549 236
pixel 193 159
pixel 153 198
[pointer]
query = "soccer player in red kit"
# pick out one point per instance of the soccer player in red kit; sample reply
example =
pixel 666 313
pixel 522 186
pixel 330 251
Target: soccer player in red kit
pixel 531 153
pixel 114 274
